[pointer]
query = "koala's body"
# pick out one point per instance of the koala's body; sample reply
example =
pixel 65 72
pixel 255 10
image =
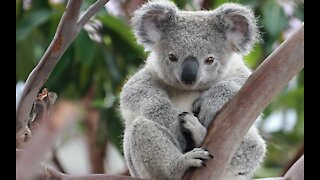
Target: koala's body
pixel 195 66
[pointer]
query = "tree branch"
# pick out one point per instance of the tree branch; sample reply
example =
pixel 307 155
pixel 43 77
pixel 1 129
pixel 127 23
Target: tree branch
pixel 56 162
pixel 40 110
pixel 72 11
pixel 297 155
pixel 63 115
pixel 273 178
pixel 50 173
pixel 235 119
pixel 66 32
pixel 90 12
pixel 296 172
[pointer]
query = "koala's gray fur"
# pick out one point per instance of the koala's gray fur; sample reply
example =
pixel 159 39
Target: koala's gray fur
pixel 195 66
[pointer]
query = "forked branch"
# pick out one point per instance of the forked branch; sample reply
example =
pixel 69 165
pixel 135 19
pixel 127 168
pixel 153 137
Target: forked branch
pixel 68 28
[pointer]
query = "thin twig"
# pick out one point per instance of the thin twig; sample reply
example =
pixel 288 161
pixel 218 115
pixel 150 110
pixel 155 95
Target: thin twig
pixel 235 119
pixel 85 17
pixel 66 32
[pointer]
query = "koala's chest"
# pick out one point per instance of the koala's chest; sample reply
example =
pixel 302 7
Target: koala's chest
pixel 184 100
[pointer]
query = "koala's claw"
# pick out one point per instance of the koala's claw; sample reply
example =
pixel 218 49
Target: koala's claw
pixel 196 106
pixel 182 118
pixel 206 149
pixel 196 157
pixel 199 153
pixel 183 114
pixel 188 121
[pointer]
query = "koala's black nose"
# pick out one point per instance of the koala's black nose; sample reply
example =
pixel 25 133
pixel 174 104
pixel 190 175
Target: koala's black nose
pixel 189 71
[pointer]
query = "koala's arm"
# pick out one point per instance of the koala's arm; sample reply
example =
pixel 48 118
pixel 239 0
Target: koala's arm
pixel 252 149
pixel 143 96
pixel 211 101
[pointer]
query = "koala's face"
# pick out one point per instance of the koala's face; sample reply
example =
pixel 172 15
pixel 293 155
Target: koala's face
pixel 189 57
pixel 193 49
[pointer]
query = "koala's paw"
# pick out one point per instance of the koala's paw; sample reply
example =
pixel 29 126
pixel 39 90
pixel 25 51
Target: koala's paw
pixel 191 125
pixel 205 109
pixel 211 101
pixel 249 154
pixel 196 157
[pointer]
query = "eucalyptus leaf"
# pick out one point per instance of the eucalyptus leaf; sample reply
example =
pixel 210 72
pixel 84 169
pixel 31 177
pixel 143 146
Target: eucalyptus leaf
pixel 273 18
pixel 29 22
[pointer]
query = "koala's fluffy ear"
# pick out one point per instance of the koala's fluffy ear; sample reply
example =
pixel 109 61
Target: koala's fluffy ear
pixel 149 20
pixel 239 25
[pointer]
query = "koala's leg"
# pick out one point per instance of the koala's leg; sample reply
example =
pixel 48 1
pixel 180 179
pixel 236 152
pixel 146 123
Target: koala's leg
pixel 127 154
pixel 247 157
pixel 153 152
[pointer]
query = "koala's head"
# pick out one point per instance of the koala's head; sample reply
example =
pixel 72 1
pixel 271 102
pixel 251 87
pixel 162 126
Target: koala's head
pixel 192 49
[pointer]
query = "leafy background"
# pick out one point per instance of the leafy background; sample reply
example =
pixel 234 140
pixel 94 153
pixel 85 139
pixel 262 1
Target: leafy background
pixel 105 54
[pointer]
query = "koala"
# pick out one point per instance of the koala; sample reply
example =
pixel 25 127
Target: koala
pixel 195 66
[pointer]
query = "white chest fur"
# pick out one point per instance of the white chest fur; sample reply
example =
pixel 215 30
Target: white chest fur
pixel 184 100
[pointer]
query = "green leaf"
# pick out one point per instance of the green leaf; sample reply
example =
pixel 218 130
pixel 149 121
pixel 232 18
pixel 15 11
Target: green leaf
pixel 110 126
pixel 299 12
pixel 29 22
pixel 217 3
pixel 253 58
pixel 117 26
pixel 61 76
pixel 180 3
pixel 112 66
pixel 19 9
pixel 40 4
pixel 85 49
pixel 24 59
pixel 120 33
pixel 251 3
pixel 273 18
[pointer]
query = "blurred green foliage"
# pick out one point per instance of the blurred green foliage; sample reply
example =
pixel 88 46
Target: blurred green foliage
pixel 106 64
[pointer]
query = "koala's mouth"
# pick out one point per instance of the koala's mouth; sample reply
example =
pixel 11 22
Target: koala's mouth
pixel 190 86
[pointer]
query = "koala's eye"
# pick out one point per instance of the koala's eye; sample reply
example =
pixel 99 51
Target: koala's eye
pixel 173 58
pixel 209 60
